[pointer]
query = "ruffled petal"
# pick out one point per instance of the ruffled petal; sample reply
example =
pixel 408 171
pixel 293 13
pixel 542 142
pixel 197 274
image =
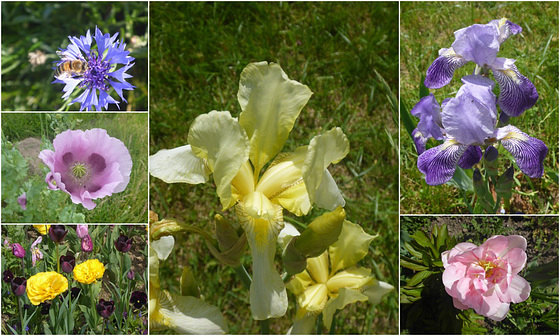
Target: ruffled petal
pixel 352 245
pixel 429 112
pixel 270 104
pixel 420 141
pixel 472 156
pixel 440 73
pixel 178 165
pixel 506 28
pixel 438 164
pixel 478 43
pixel 528 152
pixel 219 139
pixel 345 297
pixel 517 92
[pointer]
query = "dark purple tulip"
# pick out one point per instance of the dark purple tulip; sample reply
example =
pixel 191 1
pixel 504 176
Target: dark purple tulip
pixel 7 276
pixel 87 244
pixel 130 275
pixel 57 233
pixel 138 299
pixel 105 308
pixel 45 306
pixel 18 286
pixel 74 292
pixel 67 263
pixel 18 250
pixel 123 244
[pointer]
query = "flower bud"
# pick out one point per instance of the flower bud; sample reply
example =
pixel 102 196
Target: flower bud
pixel 130 275
pixel 18 285
pixel 490 154
pixel 67 263
pixel 82 230
pixel 57 233
pixel 18 250
pixel 123 244
pixel 87 244
pixel 105 308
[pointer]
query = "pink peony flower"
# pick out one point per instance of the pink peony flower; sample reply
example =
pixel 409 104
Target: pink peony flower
pixel 87 165
pixel 485 277
pixel 22 200
pixel 82 230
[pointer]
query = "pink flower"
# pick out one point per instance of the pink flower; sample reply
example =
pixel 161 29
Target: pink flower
pixel 87 243
pixel 82 230
pixel 35 253
pixel 485 277
pixel 18 250
pixel 87 165
pixel 22 200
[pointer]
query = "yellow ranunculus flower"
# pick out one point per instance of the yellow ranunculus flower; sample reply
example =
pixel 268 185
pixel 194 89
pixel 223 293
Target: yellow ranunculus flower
pixel 42 228
pixel 45 286
pixel 89 271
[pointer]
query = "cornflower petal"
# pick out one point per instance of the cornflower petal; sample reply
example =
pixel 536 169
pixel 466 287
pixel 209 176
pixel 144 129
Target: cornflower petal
pixel 517 92
pixel 528 152
pixel 438 164
pixel 440 73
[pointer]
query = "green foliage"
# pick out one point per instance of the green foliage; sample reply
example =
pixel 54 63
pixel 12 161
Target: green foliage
pixel 31 27
pixel 424 30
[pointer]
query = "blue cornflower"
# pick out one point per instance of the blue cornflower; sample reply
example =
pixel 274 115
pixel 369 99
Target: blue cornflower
pixel 94 68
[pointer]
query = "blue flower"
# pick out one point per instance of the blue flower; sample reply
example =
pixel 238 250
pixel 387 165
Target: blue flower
pixel 95 69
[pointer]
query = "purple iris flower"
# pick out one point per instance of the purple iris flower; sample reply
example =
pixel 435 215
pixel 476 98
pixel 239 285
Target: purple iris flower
pixel 468 122
pixel 480 44
pixel 101 70
pixel 22 200
pixel 87 165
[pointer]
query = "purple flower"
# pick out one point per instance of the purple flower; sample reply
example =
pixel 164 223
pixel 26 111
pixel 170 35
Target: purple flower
pixel 469 121
pixel 74 292
pixel 105 308
pixel 22 200
pixel 87 165
pixel 480 44
pixel 100 72
pixel 18 285
pixel 130 275
pixel 45 307
pixel 36 254
pixel 82 230
pixel 67 263
pixel 138 299
pixel 123 244
pixel 87 244
pixel 57 233
pixel 7 276
pixel 18 250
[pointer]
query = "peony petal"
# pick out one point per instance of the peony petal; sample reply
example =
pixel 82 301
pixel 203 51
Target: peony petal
pixel 438 164
pixel 330 147
pixel 270 104
pixel 219 139
pixel 440 73
pixel 517 92
pixel 458 249
pixel 519 289
pixel 352 245
pixel 178 165
pixel 452 274
pixel 528 152
pixel 492 307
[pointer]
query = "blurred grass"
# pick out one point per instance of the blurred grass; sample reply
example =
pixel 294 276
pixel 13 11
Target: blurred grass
pixel 347 54
pixel 45 26
pixel 425 28
pixel 129 206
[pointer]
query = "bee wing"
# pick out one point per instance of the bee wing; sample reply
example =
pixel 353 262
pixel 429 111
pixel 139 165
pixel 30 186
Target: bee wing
pixel 63 56
pixel 64 75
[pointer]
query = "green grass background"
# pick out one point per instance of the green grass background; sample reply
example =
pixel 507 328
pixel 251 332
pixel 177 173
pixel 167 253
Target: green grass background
pixel 129 206
pixel 32 26
pixel 428 26
pixel 347 53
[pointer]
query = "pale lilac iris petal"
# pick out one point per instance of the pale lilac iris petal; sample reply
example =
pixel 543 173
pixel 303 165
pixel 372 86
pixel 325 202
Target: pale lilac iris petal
pixel 88 165
pixel 438 164
pixel 517 92
pixel 472 156
pixel 440 73
pixel 477 43
pixel 528 152
pixel 420 141
pixel 506 28
pixel 429 113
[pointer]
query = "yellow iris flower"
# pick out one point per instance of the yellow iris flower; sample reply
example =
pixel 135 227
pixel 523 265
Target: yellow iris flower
pixel 236 151
pixel 332 280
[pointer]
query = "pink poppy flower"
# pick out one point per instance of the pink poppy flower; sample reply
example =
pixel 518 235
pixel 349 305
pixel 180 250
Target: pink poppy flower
pixel 485 277
pixel 87 165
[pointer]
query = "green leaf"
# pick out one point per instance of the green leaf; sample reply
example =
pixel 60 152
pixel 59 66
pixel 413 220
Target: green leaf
pixel 419 277
pixel 461 180
pixel 413 264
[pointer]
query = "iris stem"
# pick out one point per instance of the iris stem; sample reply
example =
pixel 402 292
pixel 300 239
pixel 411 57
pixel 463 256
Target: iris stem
pixel 265 330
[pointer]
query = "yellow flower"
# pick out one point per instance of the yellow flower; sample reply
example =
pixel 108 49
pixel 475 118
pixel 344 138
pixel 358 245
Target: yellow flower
pixel 42 228
pixel 332 280
pixel 89 271
pixel 45 286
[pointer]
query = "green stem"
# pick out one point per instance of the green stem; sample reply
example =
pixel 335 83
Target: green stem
pixel 93 308
pixel 20 315
pixel 57 259
pixel 265 330
pixel 245 277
